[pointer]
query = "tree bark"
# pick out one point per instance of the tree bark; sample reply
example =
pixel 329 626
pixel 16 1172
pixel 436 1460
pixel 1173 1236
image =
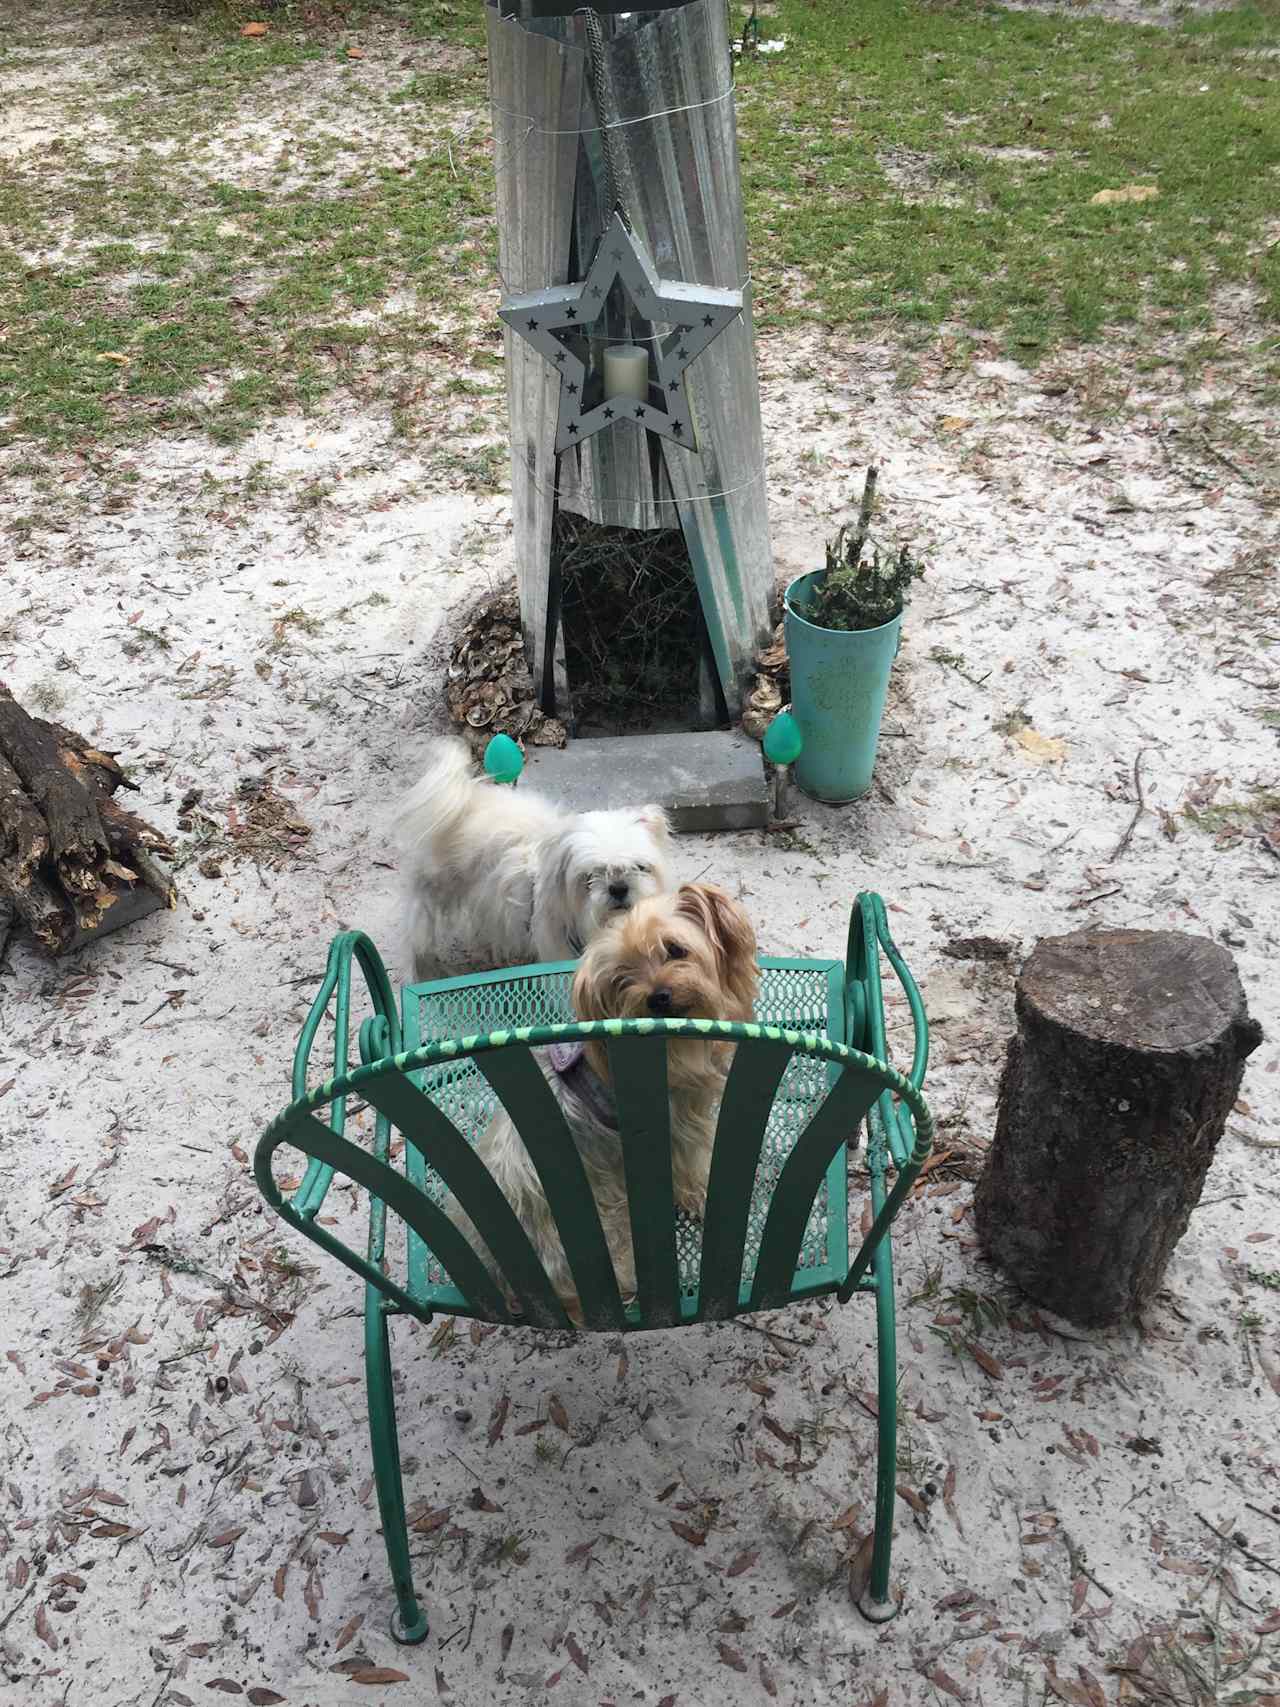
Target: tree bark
pixel 73 862
pixel 77 841
pixel 24 844
pixel 1128 1057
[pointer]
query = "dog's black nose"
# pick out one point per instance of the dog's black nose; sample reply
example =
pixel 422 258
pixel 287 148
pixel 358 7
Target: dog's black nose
pixel 619 891
pixel 660 1001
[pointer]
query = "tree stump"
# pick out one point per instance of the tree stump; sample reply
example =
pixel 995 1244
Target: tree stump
pixel 1128 1057
pixel 73 862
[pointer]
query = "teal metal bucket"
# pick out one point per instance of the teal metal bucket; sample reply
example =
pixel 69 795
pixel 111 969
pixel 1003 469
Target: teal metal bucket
pixel 839 683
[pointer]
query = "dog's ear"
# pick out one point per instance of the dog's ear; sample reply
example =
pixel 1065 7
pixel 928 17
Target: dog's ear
pixel 654 819
pixel 588 997
pixel 723 920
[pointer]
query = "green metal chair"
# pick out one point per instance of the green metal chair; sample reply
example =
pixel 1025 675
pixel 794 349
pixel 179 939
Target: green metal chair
pixel 804 1077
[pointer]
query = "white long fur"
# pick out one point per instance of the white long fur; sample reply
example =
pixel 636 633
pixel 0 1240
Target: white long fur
pixel 497 876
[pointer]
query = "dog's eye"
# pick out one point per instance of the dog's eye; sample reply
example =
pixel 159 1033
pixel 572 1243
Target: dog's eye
pixel 674 951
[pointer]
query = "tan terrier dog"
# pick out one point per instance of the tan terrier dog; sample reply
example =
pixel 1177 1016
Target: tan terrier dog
pixel 688 955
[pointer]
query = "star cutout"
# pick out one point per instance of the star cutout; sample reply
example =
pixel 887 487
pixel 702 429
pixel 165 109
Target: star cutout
pixel 554 323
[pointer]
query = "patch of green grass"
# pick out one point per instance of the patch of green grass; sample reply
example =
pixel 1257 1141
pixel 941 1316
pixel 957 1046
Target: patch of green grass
pixel 295 20
pixel 980 1309
pixel 508 1549
pixel 295 621
pixel 212 260
pixel 910 163
pixel 1235 814
pixel 226 229
pixel 1012 721
pixel 104 349
pixel 139 640
pixel 480 470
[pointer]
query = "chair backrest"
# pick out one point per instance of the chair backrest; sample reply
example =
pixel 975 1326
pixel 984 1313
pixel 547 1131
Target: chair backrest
pixel 754 1232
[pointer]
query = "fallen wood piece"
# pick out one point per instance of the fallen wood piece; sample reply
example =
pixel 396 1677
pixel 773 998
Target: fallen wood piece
pixel 1117 1086
pixel 77 841
pixel 126 833
pixel 73 862
pixel 25 840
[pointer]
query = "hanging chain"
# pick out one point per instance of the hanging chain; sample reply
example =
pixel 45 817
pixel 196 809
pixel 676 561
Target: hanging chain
pixel 598 77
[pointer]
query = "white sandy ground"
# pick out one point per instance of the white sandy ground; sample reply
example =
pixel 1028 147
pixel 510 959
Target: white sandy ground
pixel 212 1408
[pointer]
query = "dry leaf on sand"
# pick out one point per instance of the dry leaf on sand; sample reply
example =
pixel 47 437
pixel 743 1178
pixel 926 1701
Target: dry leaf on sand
pixel 1043 749
pixel 1127 193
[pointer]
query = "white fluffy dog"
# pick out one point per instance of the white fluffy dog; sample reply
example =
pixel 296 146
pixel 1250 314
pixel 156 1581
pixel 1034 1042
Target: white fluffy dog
pixel 497 876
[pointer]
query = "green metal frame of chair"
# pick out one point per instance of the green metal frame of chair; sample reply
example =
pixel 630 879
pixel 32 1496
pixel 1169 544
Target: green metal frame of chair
pixel 776 1229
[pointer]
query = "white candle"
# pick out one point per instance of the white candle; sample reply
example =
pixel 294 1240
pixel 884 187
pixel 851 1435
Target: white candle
pixel 626 372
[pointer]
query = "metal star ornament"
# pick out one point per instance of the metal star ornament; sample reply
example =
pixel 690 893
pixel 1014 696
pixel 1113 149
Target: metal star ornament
pixel 559 323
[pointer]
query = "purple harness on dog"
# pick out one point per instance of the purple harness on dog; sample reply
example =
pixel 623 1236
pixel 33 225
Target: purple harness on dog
pixel 568 1061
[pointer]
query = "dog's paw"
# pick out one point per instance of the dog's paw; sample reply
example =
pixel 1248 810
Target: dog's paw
pixel 693 1203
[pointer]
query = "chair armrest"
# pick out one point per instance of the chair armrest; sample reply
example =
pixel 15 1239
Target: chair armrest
pixel 379 1035
pixel 386 1188
pixel 893 1128
pixel 868 934
pixel 919 1020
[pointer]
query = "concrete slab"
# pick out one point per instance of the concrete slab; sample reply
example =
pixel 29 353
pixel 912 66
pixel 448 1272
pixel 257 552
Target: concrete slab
pixel 708 780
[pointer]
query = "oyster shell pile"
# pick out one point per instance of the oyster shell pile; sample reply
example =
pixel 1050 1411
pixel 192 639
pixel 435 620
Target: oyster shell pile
pixel 770 690
pixel 489 689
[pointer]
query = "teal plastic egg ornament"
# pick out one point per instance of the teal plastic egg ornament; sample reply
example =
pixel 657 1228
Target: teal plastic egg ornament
pixel 503 760
pixel 783 740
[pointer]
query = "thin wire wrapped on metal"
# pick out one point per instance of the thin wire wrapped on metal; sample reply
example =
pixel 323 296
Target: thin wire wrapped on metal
pixel 674 142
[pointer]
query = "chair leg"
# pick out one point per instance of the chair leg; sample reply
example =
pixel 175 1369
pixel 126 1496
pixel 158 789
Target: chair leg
pixel 876 1603
pixel 409 1624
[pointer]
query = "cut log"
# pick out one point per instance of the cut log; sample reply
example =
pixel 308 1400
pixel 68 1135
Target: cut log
pixel 77 841
pixel 110 773
pixel 1128 1057
pixel 126 833
pixel 24 845
pixel 73 862
pixel 24 839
